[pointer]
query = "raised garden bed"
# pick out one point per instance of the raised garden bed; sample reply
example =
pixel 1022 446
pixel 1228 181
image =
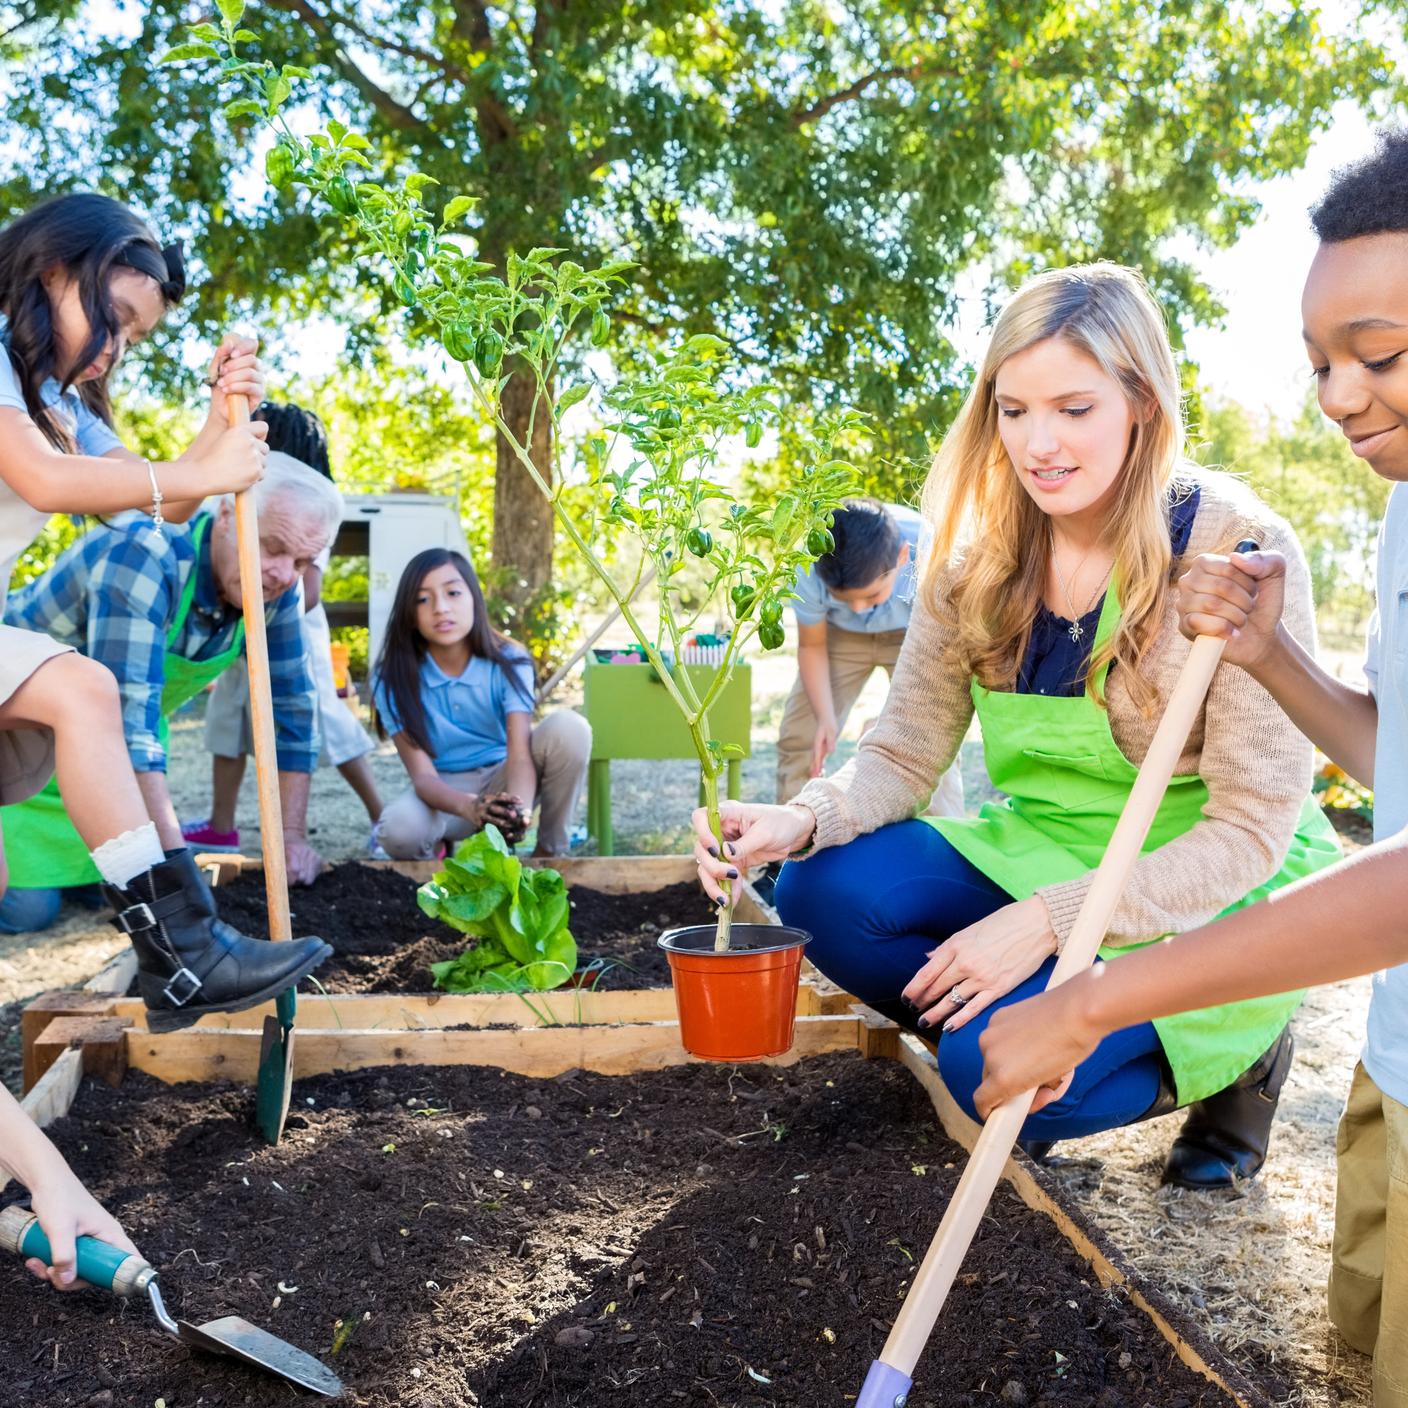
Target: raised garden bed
pixel 701 1235
pixel 346 1029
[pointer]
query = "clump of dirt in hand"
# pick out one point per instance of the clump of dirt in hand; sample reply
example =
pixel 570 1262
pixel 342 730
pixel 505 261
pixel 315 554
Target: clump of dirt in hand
pixel 703 1235
pixel 383 942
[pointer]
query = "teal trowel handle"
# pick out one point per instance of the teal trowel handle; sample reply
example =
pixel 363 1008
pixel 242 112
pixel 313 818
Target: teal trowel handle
pixel 99 1263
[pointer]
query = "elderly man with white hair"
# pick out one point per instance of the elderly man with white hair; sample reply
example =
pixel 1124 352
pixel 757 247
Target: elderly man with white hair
pixel 164 614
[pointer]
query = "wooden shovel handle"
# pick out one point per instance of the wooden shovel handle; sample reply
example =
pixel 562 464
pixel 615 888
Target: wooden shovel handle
pixel 261 707
pixel 926 1298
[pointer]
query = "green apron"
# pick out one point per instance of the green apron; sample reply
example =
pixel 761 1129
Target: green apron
pixel 1066 783
pixel 42 847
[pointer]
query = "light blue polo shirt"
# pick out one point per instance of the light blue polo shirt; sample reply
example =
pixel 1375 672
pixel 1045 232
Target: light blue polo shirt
pixel 815 604
pixel 1386 669
pixel 466 715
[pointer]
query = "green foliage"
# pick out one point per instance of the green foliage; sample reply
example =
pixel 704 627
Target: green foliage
pixel 1335 503
pixel 812 182
pixel 652 473
pixel 520 916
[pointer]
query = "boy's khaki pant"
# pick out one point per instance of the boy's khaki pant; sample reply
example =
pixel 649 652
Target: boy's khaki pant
pixel 1369 1272
pixel 853 657
pixel 561 746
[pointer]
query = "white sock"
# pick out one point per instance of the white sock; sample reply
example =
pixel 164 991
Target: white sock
pixel 122 859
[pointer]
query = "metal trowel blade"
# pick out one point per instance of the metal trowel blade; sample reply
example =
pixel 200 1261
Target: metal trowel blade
pixel 232 1335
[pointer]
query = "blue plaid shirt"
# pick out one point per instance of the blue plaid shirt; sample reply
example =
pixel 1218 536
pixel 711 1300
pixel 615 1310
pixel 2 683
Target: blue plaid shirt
pixel 113 596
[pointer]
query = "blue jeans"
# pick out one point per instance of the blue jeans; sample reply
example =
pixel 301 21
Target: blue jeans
pixel 30 911
pixel 876 908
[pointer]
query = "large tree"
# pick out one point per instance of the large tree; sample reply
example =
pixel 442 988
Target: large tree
pixel 809 179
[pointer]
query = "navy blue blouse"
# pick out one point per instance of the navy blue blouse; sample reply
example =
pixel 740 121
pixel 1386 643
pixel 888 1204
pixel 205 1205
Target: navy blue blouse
pixel 1054 663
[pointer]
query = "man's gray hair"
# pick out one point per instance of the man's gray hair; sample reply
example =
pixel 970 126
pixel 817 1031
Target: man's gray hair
pixel 289 479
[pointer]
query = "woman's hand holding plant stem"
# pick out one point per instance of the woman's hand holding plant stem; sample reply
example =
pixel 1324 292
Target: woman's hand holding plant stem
pixel 752 833
pixel 983 962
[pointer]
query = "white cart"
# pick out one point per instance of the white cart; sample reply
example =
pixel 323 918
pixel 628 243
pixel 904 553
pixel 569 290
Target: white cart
pixel 389 530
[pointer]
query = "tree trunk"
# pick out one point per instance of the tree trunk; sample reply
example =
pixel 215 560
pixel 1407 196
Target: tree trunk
pixel 523 525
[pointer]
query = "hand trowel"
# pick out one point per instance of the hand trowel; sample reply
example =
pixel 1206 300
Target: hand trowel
pixel 126 1274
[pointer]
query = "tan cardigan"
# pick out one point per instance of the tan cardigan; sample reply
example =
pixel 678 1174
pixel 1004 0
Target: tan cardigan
pixel 1254 762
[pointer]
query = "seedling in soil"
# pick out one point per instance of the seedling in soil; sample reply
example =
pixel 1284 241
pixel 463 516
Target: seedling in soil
pixel 651 470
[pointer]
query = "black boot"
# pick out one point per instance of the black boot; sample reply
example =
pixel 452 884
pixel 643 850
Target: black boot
pixel 189 962
pixel 1224 1138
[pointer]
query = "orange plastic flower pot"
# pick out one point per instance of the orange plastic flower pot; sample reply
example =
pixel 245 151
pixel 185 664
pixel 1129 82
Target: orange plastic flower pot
pixel 741 1004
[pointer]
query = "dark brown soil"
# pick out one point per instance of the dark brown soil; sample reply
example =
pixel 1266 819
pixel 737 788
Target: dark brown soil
pixel 384 943
pixel 703 1236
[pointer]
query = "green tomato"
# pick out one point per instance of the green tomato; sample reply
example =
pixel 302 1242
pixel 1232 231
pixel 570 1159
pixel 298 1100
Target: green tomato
pixel 278 166
pixel 601 329
pixel 459 341
pixel 770 612
pixel 743 596
pixel 405 290
pixel 422 238
pixel 401 223
pixel 412 263
pixel 488 353
pixel 342 196
pixel 752 434
pixel 771 634
pixel 666 418
pixel 820 542
pixel 700 541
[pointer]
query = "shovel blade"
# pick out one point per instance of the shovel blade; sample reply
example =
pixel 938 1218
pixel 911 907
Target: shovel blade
pixel 275 1081
pixel 234 1336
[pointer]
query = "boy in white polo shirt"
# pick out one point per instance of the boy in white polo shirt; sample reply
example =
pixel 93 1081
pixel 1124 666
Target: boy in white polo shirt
pixel 1352 918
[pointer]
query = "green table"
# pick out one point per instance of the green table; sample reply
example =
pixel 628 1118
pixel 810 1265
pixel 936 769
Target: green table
pixel 632 717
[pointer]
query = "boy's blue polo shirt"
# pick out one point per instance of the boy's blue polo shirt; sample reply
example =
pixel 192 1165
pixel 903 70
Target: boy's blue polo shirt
pixel 1386 669
pixel 466 715
pixel 815 604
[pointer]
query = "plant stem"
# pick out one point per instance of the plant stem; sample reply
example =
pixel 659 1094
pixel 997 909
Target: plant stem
pixel 699 732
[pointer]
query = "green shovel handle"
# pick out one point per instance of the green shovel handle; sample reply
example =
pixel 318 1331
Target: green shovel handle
pixel 99 1263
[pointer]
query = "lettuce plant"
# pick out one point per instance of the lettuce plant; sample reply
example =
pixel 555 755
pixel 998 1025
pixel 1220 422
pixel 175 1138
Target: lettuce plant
pixel 519 915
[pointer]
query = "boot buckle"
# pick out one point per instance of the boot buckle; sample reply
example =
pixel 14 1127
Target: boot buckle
pixel 181 988
pixel 144 918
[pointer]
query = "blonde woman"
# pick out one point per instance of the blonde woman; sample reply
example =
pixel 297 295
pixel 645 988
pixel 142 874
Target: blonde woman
pixel 1061 504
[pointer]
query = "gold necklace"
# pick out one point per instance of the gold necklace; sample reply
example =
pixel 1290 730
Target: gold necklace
pixel 1075 630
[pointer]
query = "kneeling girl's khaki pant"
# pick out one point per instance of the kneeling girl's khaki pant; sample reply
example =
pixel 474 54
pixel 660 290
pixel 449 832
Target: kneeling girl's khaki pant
pixel 1369 1272
pixel 561 746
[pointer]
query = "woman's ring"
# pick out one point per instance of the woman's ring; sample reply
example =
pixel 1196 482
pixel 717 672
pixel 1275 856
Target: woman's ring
pixel 957 998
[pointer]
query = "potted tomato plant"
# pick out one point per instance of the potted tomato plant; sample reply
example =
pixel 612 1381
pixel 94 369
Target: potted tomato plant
pixel 652 475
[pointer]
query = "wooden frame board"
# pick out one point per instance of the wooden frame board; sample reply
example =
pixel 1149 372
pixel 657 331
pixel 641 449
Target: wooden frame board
pixel 628 1050
pixel 377 1022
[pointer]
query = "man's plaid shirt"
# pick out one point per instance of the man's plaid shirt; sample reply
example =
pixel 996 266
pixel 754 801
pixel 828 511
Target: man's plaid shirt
pixel 113 596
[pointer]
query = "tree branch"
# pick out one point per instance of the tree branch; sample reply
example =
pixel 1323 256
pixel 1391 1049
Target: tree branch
pixel 393 113
pixel 913 72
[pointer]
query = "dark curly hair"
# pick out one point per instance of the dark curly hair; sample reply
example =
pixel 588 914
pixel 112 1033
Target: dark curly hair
pixel 88 236
pixel 296 431
pixel 1368 197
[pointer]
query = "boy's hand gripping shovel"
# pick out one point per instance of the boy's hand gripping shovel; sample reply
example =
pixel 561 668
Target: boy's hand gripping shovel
pixel 888 1383
pixel 275 1079
pixel 110 1268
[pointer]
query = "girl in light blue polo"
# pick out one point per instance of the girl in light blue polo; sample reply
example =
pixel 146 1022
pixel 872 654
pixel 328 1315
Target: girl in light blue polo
pixel 457 698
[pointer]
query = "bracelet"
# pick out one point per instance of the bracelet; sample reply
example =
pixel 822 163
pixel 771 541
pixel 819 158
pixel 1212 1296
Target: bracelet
pixel 157 519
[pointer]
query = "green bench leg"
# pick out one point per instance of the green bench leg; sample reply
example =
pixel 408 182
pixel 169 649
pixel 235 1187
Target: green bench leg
pixel 735 778
pixel 599 805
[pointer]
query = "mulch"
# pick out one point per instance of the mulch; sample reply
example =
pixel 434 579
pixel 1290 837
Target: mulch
pixel 702 1236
